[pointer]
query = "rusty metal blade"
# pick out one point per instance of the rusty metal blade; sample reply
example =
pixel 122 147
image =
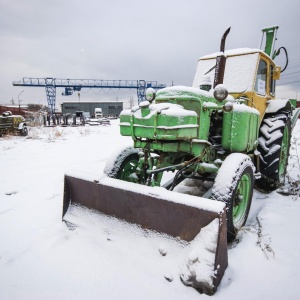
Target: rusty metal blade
pixel 155 209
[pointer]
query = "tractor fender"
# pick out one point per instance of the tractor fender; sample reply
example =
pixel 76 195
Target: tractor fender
pixel 21 125
pixel 275 106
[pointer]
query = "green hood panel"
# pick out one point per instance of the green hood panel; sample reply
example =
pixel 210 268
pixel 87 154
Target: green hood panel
pixel 163 121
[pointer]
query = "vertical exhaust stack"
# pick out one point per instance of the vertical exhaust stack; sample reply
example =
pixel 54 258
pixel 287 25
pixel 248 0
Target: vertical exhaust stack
pixel 221 61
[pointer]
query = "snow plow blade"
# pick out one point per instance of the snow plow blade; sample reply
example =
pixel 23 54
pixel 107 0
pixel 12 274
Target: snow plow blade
pixel 154 208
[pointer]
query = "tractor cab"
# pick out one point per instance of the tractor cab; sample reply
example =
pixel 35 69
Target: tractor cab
pixel 249 74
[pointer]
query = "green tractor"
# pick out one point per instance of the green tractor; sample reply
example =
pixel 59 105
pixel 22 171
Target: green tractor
pixel 228 129
pixel 227 133
pixel 12 124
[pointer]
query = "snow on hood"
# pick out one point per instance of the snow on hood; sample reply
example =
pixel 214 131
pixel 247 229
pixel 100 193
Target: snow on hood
pixel 175 90
pixel 169 109
pixel 241 107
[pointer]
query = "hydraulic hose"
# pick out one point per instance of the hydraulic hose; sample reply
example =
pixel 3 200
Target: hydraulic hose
pixel 286 55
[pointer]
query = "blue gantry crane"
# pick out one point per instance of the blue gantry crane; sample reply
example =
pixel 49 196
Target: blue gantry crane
pixel 71 85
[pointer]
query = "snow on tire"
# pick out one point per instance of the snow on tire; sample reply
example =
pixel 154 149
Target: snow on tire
pixel 274 144
pixel 234 186
pixel 115 164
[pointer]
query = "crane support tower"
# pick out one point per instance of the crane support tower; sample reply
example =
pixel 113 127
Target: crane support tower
pixel 71 85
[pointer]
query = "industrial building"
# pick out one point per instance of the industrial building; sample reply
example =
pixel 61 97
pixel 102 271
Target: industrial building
pixel 108 108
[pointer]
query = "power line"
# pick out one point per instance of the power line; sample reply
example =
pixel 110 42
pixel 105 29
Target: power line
pixel 290 77
pixel 294 46
pixel 294 66
pixel 282 83
pixel 294 59
pixel 285 75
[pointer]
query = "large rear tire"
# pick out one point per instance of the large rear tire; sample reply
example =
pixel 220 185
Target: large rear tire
pixel 274 147
pixel 234 186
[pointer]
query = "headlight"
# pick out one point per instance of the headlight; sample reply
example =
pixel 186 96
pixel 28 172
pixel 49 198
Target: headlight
pixel 220 92
pixel 150 94
pixel 228 106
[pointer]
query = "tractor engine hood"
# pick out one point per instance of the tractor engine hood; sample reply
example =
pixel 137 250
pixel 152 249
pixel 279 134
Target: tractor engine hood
pixel 162 121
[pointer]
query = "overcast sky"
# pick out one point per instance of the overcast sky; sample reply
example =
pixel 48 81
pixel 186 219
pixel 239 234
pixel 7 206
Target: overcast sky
pixel 151 40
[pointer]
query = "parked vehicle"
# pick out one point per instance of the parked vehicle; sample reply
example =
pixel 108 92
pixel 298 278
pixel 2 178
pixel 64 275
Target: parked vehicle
pixel 12 124
pixel 98 112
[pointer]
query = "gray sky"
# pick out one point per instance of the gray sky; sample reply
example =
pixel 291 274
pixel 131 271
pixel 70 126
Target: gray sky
pixel 152 40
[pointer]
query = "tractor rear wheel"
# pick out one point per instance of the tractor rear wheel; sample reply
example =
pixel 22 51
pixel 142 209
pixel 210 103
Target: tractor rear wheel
pixel 274 147
pixel 234 186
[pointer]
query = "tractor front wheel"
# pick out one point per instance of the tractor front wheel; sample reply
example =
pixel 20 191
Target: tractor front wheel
pixel 123 165
pixel 234 187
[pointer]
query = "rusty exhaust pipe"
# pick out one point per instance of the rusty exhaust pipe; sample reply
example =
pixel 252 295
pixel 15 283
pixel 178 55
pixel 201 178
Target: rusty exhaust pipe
pixel 221 61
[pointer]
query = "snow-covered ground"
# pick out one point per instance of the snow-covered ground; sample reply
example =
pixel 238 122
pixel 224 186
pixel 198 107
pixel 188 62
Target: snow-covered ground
pixel 41 258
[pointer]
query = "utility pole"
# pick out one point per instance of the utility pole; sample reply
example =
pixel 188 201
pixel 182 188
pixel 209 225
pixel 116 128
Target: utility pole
pixel 131 102
pixel 19 102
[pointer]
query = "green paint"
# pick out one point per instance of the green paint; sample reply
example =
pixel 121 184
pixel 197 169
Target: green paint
pixel 270 38
pixel 128 171
pixel 242 198
pixel 166 130
pixel 204 129
pixel 238 135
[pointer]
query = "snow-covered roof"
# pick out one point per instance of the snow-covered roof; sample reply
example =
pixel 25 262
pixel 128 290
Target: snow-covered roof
pixel 232 52
pixel 239 71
